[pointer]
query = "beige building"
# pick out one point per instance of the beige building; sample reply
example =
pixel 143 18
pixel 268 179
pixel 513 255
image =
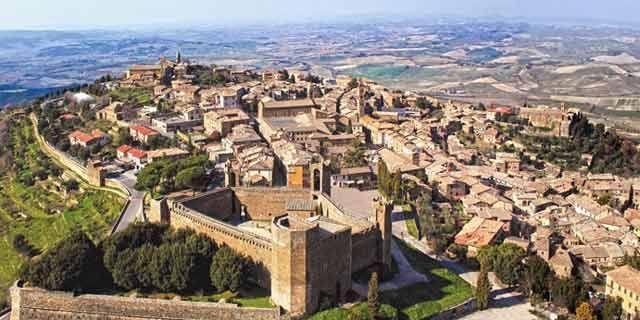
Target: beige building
pixel 223 121
pixel 624 282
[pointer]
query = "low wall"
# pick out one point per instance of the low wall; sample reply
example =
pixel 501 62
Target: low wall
pixel 33 303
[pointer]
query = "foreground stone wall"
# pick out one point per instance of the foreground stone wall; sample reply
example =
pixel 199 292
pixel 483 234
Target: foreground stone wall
pixel 264 204
pixel 35 304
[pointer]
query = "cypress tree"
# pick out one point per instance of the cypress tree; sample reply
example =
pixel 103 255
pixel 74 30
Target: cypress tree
pixel 373 303
pixel 483 288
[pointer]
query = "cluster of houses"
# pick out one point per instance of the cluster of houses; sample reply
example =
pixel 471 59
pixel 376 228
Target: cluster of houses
pixel 278 128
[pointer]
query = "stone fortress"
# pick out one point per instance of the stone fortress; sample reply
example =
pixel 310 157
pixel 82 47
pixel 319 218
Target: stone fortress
pixel 305 246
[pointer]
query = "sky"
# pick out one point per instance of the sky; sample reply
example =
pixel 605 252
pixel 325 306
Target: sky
pixel 83 14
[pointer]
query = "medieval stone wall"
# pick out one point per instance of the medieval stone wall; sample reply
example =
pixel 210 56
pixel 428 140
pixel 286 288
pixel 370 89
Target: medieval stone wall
pixel 364 249
pixel 365 236
pixel 330 261
pixel 257 248
pixel 263 204
pixel 218 204
pixel 36 304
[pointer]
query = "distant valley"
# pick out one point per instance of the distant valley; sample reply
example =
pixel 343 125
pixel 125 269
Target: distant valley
pixel 594 68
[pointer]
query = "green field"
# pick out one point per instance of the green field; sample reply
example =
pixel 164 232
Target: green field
pixel 137 96
pixel 40 212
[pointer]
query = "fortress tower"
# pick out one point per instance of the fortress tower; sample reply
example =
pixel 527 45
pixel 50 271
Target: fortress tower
pixel 311 260
pixel 383 210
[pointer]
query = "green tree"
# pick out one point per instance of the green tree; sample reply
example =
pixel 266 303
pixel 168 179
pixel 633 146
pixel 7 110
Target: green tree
pixel 228 270
pixel 508 263
pixel 373 302
pixel 353 83
pixel 72 265
pixel 193 178
pixel 355 156
pixel 483 288
pixel 569 293
pixel 536 277
pixel 612 309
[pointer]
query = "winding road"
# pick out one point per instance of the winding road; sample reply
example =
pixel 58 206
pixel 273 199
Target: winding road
pixel 136 202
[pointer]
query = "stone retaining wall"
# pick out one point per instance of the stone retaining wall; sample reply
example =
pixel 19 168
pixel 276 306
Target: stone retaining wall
pixel 35 304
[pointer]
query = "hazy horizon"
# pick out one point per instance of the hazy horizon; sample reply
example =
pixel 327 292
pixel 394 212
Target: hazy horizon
pixel 117 14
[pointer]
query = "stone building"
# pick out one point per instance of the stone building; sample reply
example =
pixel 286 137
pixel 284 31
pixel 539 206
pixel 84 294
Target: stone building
pixel 305 247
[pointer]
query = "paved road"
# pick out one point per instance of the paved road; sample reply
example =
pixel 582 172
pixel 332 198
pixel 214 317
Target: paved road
pixel 136 201
pixel 505 305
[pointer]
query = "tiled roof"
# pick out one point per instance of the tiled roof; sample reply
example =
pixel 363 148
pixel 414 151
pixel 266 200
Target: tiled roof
pixel 626 277
pixel 300 205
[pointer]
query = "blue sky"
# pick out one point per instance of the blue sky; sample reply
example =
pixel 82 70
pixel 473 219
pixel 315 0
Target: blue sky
pixel 72 14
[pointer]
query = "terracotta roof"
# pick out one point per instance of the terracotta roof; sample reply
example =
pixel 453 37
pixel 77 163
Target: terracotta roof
pixel 561 258
pixel 85 137
pixel 124 148
pixel 626 277
pixel 478 232
pixel 137 153
pixel 145 131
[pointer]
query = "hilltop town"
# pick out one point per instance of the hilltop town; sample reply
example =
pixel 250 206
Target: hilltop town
pixel 319 183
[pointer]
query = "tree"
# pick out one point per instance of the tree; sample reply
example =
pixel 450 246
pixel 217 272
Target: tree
pixel 228 270
pixel 483 288
pixel 569 293
pixel 373 303
pixel 508 263
pixel 612 309
pixel 536 277
pixel 193 178
pixel 22 245
pixel 73 264
pixel 585 312
pixel 70 185
pixel 355 156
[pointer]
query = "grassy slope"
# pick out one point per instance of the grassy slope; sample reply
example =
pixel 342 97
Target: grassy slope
pixel 421 301
pixel 26 210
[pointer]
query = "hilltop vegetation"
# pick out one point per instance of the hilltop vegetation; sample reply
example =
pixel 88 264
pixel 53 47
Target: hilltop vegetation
pixel 38 207
pixel 609 152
